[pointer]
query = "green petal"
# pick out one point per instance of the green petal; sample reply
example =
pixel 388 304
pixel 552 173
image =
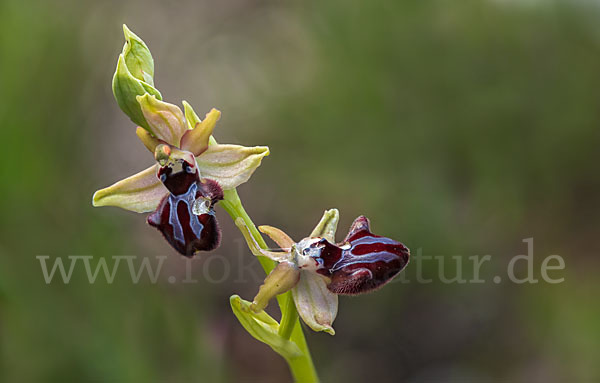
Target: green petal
pixel 327 226
pixel 140 193
pixel 166 121
pixel 230 165
pixel 263 328
pixel 316 305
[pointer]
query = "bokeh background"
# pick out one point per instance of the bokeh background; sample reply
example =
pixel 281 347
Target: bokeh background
pixel 460 128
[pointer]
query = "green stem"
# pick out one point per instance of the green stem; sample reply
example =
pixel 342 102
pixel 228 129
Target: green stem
pixel 289 317
pixel 302 367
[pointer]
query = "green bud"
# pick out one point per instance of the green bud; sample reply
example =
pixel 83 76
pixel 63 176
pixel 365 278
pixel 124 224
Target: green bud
pixel 138 57
pixel 134 77
pixel 263 328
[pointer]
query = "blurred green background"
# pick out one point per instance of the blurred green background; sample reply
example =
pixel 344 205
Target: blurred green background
pixel 459 128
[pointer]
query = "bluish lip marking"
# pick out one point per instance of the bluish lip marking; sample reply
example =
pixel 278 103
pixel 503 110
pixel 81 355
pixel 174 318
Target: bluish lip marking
pixel 188 198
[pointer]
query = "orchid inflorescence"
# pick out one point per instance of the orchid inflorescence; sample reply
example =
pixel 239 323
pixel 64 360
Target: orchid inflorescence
pixel 193 174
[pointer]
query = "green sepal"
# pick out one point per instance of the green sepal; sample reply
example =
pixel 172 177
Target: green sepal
pixel 263 328
pixel 190 116
pixel 327 226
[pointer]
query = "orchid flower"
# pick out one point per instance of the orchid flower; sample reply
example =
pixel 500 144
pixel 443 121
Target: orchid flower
pixel 191 169
pixel 317 270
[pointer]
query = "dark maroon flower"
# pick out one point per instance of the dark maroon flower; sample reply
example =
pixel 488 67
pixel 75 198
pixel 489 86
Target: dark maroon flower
pixel 185 216
pixel 319 269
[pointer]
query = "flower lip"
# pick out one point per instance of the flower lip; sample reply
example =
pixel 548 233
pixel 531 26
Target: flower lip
pixel 186 231
pixel 366 262
pixel 185 215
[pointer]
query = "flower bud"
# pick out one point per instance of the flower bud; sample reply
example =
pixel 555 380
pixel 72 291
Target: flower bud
pixel 138 57
pixel 134 77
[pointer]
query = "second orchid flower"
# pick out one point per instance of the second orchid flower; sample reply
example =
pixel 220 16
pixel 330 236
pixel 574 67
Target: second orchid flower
pixel 317 270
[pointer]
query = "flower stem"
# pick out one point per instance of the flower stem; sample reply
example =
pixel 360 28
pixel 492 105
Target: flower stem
pixel 289 318
pixel 302 367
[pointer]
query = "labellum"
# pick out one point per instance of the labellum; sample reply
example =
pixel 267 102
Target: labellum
pixel 362 263
pixel 185 216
